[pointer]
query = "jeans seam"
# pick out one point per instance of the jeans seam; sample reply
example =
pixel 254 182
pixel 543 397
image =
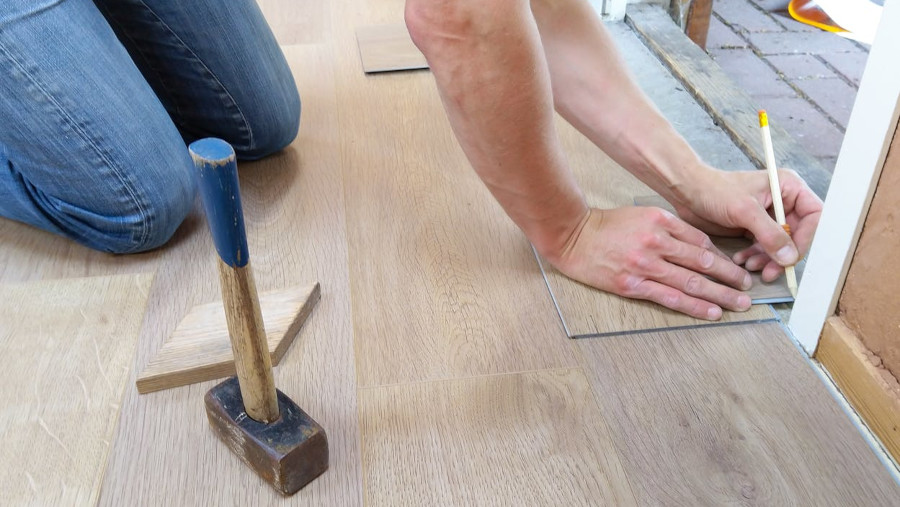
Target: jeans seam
pixel 211 73
pixel 146 218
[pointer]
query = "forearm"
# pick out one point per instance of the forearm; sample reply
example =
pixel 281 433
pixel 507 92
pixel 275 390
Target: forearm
pixel 594 91
pixel 495 85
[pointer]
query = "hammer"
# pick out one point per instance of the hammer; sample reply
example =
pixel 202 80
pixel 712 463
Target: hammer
pixel 260 424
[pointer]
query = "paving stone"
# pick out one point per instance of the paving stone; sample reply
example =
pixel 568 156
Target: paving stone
pixel 832 95
pixel 774 43
pixel 807 125
pixel 800 66
pixel 744 15
pixel 721 36
pixel 850 65
pixel 751 74
pixel 791 24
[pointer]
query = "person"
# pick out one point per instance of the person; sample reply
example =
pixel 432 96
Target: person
pixel 99 97
pixel 502 66
pixel 114 122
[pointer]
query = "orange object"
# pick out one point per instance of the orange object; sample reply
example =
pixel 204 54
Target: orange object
pixel 808 12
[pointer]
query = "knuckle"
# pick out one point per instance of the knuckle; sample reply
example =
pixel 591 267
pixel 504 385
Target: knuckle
pixel 693 284
pixel 637 260
pixel 707 258
pixel 625 284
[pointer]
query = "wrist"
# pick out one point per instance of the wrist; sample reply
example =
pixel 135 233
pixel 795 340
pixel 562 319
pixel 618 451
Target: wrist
pixel 554 235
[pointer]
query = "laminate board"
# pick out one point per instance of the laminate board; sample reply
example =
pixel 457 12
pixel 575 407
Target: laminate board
pixel 586 311
pixel 729 415
pixel 443 283
pixel 385 48
pixel 533 438
pixel 164 451
pixel 295 22
pixel 66 352
pixel 200 347
pixel 761 292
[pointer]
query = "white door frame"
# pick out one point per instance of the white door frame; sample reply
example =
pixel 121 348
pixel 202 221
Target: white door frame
pixel 866 142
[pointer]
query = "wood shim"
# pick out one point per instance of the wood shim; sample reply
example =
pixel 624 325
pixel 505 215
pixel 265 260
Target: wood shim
pixel 387 48
pixel 66 352
pixel 200 348
pixel 761 292
pixel 872 391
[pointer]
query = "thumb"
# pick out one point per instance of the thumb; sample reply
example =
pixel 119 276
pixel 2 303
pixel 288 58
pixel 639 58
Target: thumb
pixel 770 236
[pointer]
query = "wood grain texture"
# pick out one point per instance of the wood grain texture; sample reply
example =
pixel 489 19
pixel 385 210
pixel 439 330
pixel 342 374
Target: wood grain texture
pixel 66 352
pixel 729 415
pixel 200 348
pixel 734 111
pixel 523 439
pixel 586 311
pixel 294 22
pixel 761 292
pixel 248 341
pixel 444 285
pixel 386 48
pixel 872 390
pixel 869 300
pixel 164 452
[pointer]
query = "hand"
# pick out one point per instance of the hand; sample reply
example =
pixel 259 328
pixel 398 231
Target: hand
pixel 733 203
pixel 649 253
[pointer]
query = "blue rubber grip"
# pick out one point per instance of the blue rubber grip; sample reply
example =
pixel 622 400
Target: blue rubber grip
pixel 217 172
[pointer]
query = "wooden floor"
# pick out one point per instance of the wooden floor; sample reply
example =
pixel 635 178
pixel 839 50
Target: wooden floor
pixel 436 359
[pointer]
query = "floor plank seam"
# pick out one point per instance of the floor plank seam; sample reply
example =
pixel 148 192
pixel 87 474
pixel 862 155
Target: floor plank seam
pixel 674 328
pixel 550 290
pixel 470 377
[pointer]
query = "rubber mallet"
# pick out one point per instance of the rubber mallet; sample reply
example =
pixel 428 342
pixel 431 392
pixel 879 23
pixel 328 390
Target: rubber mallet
pixel 261 425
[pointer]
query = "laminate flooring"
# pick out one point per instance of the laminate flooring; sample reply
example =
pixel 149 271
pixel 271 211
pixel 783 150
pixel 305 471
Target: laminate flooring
pixel 436 360
pixel 66 351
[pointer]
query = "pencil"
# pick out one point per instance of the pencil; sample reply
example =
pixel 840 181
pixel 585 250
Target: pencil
pixel 775 188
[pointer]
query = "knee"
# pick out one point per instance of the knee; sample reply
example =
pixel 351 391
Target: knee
pixel 436 25
pixel 273 124
pixel 158 201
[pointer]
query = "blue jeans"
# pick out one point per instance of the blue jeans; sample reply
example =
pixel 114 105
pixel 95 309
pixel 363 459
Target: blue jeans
pixel 97 101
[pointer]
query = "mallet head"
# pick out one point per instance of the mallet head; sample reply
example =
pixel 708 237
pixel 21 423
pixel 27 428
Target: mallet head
pixel 288 453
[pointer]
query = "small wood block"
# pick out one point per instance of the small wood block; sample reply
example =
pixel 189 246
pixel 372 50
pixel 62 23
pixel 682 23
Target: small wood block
pixel 287 453
pixel 387 48
pixel 200 348
pixel 761 292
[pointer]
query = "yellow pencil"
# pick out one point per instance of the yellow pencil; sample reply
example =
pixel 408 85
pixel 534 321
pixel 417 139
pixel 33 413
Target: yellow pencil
pixel 775 187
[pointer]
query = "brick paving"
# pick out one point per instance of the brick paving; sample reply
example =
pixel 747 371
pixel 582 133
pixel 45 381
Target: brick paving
pixel 806 78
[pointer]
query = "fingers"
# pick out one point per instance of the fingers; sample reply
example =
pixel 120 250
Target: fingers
pixel 702 260
pixel 694 284
pixel 676 300
pixel 771 236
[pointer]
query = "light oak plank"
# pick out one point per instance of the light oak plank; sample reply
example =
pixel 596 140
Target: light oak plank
pixel 523 439
pixel 584 310
pixel 293 22
pixel 443 283
pixel 385 48
pixel 200 347
pixel 873 391
pixel 165 453
pixel 729 415
pixel 761 292
pixel 66 351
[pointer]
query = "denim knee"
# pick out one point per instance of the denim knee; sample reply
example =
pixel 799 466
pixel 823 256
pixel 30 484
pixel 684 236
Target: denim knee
pixel 162 199
pixel 273 122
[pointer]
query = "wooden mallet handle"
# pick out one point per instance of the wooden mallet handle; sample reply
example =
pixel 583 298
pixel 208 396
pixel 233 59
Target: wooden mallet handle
pixel 215 163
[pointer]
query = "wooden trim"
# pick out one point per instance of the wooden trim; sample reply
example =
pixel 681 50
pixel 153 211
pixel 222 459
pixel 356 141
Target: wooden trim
pixel 869 133
pixel 873 392
pixel 729 106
